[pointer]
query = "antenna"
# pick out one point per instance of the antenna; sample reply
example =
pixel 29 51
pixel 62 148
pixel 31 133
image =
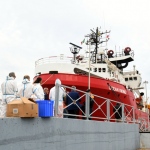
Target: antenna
pixel 75 45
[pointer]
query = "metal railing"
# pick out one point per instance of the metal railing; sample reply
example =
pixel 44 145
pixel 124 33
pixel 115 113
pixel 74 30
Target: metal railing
pixel 102 106
pixel 120 54
pixel 53 59
pixel 104 109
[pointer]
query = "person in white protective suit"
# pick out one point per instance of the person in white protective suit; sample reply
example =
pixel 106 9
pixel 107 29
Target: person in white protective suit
pixel 9 91
pixel 61 96
pixel 37 91
pixel 0 100
pixel 25 89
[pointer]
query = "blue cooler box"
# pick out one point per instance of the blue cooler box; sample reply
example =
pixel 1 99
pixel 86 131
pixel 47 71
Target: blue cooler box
pixel 45 108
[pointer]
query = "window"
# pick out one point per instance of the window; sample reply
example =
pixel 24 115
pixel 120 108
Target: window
pixel 88 69
pixel 104 69
pixel 113 74
pixel 130 79
pixel 126 79
pixel 99 69
pixel 135 78
pixel 95 69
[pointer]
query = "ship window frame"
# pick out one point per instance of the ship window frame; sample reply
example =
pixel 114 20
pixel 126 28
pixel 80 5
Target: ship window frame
pixel 103 69
pixel 112 73
pixel 88 69
pixel 99 69
pixel 94 69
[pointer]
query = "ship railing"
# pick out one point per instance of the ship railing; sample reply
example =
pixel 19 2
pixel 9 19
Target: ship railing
pixel 53 59
pixel 102 106
pixel 144 125
pixel 120 54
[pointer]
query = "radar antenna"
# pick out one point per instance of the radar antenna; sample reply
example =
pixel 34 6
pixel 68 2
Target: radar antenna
pixel 74 50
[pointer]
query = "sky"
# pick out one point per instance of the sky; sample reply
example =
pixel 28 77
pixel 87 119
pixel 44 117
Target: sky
pixel 34 29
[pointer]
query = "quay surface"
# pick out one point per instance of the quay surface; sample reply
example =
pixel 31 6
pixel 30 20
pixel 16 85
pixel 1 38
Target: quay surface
pixel 65 134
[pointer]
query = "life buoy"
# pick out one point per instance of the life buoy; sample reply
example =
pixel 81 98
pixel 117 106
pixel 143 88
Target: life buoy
pixel 127 50
pixel 77 57
pixel 110 53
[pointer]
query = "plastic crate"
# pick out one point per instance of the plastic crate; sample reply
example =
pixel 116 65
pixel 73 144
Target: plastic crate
pixel 45 108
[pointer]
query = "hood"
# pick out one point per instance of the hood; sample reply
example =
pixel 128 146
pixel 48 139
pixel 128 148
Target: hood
pixel 57 81
pixel 25 81
pixel 10 78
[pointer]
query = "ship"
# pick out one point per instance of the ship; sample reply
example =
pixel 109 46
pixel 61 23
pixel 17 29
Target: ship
pixel 101 70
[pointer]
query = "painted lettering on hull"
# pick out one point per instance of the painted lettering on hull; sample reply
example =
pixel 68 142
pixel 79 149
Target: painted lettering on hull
pixel 118 90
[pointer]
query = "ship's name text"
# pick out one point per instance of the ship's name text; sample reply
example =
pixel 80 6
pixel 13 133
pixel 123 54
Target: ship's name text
pixel 118 90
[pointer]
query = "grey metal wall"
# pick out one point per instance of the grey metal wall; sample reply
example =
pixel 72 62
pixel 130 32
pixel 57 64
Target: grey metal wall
pixel 66 134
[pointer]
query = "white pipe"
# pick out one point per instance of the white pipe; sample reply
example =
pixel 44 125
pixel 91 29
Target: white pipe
pixel 89 65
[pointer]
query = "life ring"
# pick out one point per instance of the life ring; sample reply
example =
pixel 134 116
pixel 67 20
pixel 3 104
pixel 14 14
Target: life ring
pixel 110 53
pixel 127 50
pixel 77 57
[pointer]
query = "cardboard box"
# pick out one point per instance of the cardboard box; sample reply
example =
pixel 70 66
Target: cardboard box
pixel 22 108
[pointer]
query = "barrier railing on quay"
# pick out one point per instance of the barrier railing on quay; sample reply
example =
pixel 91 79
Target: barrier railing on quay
pixel 104 109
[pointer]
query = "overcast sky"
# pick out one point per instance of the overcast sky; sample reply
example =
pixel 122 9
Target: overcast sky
pixel 33 29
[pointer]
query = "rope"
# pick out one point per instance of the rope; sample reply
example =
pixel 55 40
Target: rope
pixel 47 79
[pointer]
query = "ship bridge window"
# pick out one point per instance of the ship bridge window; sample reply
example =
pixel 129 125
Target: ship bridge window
pixel 99 69
pixel 135 78
pixel 130 79
pixel 121 72
pixel 104 69
pixel 88 69
pixel 112 74
pixel 95 69
pixel 126 79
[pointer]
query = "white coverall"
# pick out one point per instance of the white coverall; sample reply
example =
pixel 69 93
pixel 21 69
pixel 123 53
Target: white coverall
pixel 25 89
pixel 38 91
pixel 61 96
pixel 9 91
pixel 0 99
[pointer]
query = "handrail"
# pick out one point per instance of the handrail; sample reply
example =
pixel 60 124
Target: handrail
pixel 128 111
pixel 53 59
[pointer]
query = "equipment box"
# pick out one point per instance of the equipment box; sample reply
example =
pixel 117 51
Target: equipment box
pixel 45 108
pixel 22 108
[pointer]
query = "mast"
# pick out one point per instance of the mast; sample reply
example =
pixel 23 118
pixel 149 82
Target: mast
pixel 95 38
